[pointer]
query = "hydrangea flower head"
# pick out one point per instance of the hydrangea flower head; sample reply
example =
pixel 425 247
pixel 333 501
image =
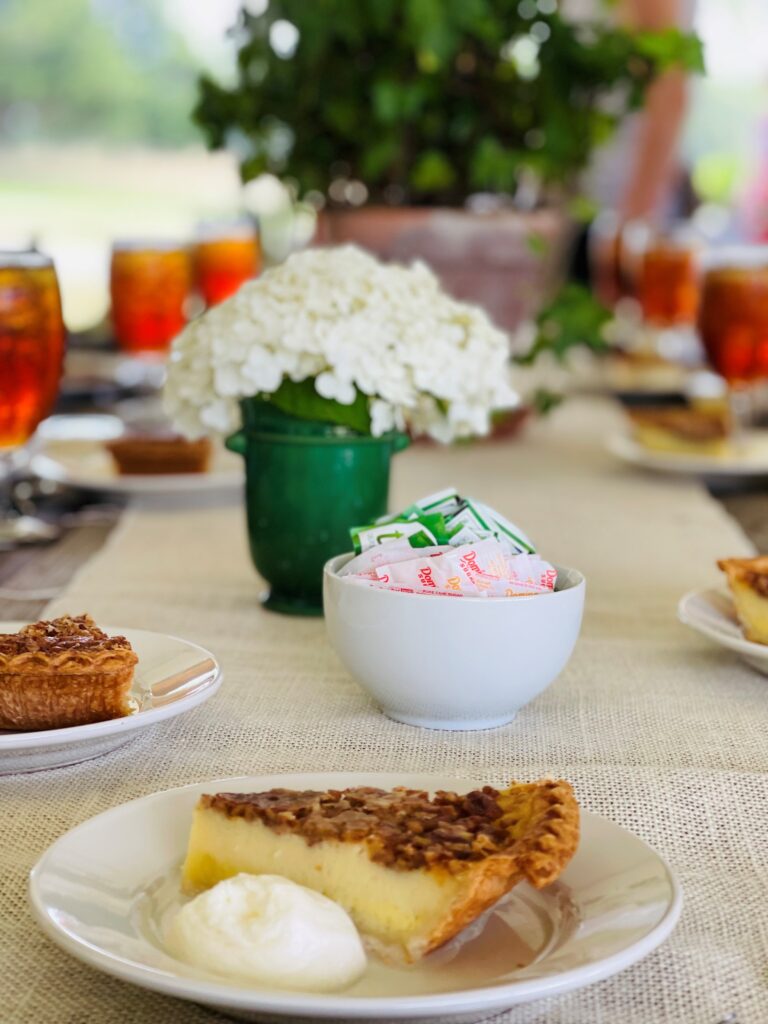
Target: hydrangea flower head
pixel 354 325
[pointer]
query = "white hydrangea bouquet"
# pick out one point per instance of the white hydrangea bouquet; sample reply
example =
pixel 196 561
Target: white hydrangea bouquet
pixel 335 335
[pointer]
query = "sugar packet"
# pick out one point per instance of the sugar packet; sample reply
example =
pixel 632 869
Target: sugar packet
pixel 484 569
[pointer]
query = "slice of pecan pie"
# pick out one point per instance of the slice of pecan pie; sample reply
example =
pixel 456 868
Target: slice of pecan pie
pixel 682 429
pixel 63 672
pixel 412 870
pixel 748 581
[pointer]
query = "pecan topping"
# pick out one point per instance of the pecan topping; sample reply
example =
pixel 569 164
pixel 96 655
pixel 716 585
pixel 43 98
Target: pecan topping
pixel 404 828
pixel 758 581
pixel 79 633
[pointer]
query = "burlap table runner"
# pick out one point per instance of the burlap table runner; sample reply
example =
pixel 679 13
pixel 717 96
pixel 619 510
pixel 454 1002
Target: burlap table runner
pixel 657 729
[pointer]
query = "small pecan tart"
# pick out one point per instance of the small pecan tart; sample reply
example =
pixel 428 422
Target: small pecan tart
pixel 411 870
pixel 149 455
pixel 64 672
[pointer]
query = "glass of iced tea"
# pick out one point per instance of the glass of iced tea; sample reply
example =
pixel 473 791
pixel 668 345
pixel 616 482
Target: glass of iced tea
pixel 150 283
pixel 733 316
pixel 225 257
pixel 669 283
pixel 31 355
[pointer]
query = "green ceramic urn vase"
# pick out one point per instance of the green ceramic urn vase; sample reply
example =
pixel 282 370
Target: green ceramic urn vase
pixel 307 483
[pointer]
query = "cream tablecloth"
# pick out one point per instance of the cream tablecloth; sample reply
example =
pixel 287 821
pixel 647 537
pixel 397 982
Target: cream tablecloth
pixel 658 730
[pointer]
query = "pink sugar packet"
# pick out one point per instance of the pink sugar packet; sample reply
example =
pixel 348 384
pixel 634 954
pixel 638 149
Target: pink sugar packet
pixel 365 564
pixel 483 569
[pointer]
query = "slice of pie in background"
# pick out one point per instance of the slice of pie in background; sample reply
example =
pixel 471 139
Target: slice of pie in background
pixel 684 430
pixel 748 582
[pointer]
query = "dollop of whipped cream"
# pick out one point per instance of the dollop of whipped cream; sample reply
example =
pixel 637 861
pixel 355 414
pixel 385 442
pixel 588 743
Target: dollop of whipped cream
pixel 268 929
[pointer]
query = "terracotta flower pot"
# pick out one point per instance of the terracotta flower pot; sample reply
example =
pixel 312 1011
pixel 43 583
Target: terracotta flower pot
pixel 505 261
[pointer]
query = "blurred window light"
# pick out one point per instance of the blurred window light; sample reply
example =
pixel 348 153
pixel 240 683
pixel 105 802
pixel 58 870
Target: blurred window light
pixel 528 9
pixel 726 135
pixel 523 52
pixel 355 193
pixel 283 38
pixel 337 190
pixel 255 7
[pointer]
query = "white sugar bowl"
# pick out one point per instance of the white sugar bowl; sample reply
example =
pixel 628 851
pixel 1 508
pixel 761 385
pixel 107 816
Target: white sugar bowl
pixel 451 662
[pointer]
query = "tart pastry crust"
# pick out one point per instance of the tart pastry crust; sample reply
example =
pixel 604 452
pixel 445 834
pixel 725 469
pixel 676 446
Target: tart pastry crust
pixel 412 870
pixel 142 455
pixel 63 672
pixel 748 582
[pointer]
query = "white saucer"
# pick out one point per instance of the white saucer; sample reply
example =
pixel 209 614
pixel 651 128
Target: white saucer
pixel 104 890
pixel 750 459
pixel 88 465
pixel 710 611
pixel 172 676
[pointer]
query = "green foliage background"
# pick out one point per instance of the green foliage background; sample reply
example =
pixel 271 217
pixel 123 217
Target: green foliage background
pixel 423 100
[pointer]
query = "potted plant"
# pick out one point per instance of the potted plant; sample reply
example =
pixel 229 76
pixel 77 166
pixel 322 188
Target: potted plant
pixel 316 370
pixel 389 114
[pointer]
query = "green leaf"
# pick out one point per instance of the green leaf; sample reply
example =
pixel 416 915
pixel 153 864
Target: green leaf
pixel 386 100
pixel 672 47
pixel 537 243
pixel 574 318
pixel 493 166
pixel 544 401
pixel 299 398
pixel 432 172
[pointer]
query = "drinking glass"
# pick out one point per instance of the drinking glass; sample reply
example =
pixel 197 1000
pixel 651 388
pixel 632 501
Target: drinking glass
pixel 223 259
pixel 607 270
pixel 150 282
pixel 31 356
pixel 669 283
pixel 733 321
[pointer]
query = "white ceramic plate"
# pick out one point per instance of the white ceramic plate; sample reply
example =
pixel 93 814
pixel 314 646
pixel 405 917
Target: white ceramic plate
pixel 172 676
pixel 104 890
pixel 88 465
pixel 81 427
pixel 748 460
pixel 710 611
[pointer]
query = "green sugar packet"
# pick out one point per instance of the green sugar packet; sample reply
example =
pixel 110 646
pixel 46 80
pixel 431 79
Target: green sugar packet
pixel 504 529
pixel 446 501
pixel 442 518
pixel 475 521
pixel 422 530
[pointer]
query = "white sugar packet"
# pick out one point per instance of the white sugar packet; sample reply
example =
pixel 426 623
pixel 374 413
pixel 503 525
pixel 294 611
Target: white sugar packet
pixel 480 569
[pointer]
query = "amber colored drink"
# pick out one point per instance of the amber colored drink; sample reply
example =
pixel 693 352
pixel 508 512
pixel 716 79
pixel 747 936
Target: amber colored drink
pixel 49 297
pixel 31 344
pixel 733 322
pixel 149 286
pixel 669 286
pixel 223 264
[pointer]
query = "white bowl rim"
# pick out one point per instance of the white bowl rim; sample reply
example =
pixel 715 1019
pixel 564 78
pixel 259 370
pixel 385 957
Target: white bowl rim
pixel 330 569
